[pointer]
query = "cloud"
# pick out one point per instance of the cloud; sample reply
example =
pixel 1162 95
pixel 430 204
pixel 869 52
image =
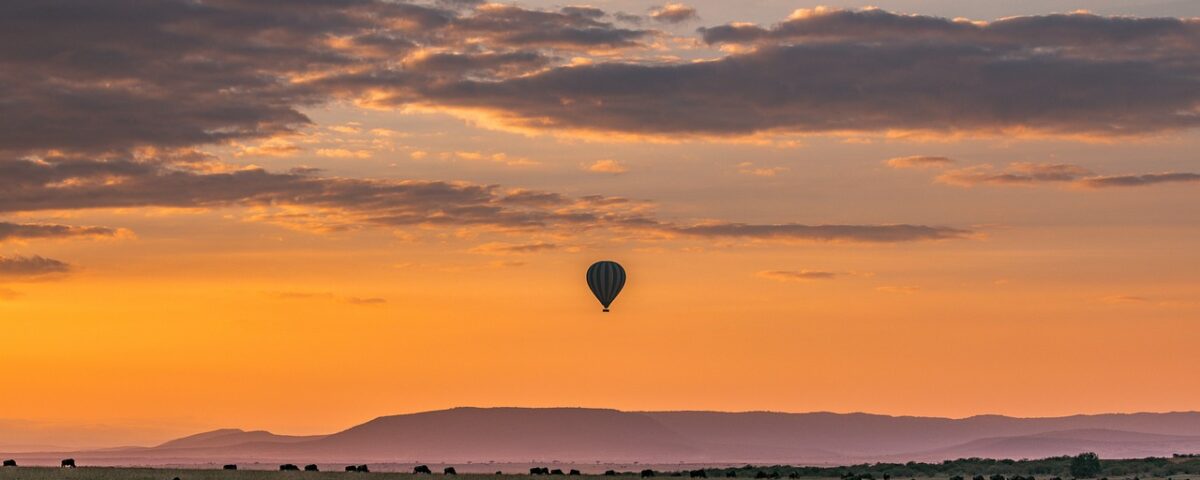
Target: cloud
pixel 607 166
pixel 299 295
pixel 801 275
pixel 825 233
pixel 1015 174
pixel 898 289
pixel 673 13
pixel 1029 174
pixel 1140 180
pixel 500 248
pixel 919 161
pixel 100 77
pixel 31 267
pixel 305 200
pixel 343 153
pixel 104 76
pixel 28 231
pixel 1125 299
pixel 748 168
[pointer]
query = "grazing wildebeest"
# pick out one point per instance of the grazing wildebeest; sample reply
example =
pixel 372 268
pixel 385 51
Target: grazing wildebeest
pixel 230 467
pixel 351 468
pixel 535 471
pixel 647 473
pixel 574 472
pixel 362 468
pixel 610 473
pixel 731 474
pixel 422 469
pixel 697 474
pixel 69 463
pixel 449 471
pixel 287 467
pixel 499 472
pixel 956 477
pixel 557 471
pixel 10 463
pixel 311 468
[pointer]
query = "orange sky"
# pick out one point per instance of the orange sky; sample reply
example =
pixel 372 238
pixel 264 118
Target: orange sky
pixel 1048 293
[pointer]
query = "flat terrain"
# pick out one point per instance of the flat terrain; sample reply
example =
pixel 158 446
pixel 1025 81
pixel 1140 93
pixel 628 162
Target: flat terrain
pixel 107 473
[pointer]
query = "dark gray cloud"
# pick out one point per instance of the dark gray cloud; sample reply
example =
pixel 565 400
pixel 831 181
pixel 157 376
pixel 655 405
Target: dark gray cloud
pixel 835 87
pixel 87 76
pixel 1084 33
pixel 29 267
pixel 29 231
pixel 106 76
pixel 69 183
pixel 1141 180
pixel 513 26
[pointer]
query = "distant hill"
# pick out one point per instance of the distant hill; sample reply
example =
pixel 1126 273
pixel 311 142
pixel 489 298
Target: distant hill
pixel 582 435
pixel 230 437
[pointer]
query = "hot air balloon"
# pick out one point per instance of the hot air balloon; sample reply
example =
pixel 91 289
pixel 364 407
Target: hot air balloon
pixel 606 278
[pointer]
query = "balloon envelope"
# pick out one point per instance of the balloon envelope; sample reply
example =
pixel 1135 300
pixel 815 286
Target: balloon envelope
pixel 606 279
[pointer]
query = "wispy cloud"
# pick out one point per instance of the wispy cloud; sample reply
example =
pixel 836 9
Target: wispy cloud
pixel 608 166
pixel 27 231
pixel 501 248
pixel 748 168
pixel 898 289
pixel 797 275
pixel 327 296
pixel 31 267
pixel 919 161
pixel 674 13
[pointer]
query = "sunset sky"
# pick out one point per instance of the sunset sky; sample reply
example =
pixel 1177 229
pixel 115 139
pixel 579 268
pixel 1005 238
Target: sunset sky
pixel 298 216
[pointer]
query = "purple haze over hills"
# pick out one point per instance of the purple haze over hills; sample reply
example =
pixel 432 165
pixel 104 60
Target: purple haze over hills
pixel 590 436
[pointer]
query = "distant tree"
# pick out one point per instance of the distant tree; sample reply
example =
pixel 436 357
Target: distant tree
pixel 1085 465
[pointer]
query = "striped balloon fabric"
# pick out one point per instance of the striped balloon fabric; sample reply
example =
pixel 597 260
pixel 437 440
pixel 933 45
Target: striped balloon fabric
pixel 606 279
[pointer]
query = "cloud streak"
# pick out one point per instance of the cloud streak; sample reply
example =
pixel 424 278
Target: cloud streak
pixel 22 267
pixel 797 275
pixel 29 231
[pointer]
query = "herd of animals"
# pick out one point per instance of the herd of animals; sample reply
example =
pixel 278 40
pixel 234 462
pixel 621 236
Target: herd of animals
pixel 420 469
